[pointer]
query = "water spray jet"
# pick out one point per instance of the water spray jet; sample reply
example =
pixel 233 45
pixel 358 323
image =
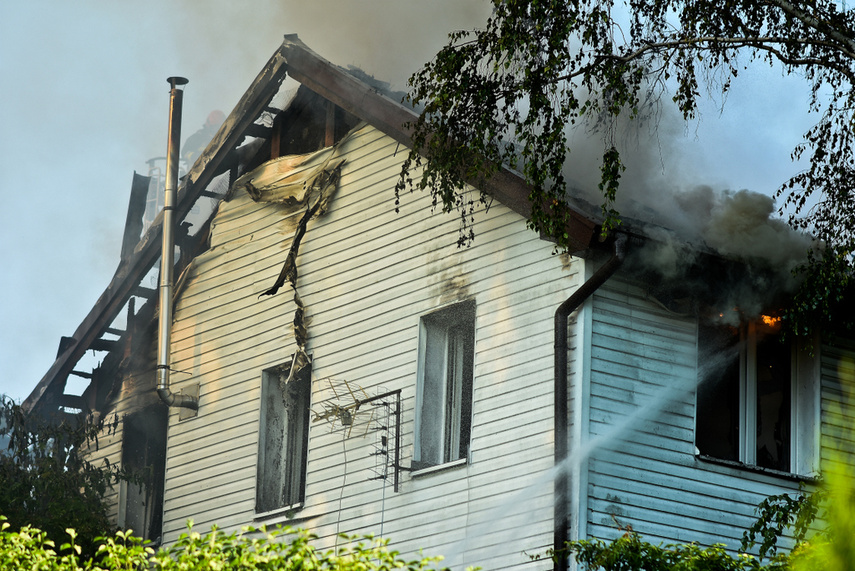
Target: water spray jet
pixel 646 410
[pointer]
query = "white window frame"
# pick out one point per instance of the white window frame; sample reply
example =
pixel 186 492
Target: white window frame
pixel 806 409
pixel 443 404
pixel 804 443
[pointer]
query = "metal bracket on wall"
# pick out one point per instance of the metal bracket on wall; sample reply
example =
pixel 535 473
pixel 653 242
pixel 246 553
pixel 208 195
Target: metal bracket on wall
pixel 186 413
pixel 391 403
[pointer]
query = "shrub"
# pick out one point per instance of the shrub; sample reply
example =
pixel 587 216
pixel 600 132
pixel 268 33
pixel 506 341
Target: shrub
pixel 250 549
pixel 47 481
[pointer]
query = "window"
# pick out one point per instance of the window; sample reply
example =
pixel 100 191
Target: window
pixel 757 401
pixel 144 456
pixel 444 389
pixel 283 438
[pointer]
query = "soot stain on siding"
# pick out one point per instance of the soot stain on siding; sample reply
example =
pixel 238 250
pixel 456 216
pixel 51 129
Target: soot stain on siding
pixel 447 282
pixel 615 510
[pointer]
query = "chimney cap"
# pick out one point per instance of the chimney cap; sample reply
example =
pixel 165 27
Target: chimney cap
pixel 177 81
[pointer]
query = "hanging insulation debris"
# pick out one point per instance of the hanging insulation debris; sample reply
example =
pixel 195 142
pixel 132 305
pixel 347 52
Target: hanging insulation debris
pixel 301 180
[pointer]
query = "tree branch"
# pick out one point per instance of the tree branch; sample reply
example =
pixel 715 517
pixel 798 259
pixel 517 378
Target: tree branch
pixel 764 43
pixel 816 24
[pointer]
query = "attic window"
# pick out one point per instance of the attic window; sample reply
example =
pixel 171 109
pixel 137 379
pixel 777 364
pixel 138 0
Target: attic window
pixel 754 405
pixel 444 389
pixel 283 438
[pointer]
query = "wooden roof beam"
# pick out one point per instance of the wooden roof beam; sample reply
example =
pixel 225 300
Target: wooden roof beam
pixel 130 272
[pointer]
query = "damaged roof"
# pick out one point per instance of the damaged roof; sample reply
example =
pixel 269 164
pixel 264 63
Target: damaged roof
pixel 224 154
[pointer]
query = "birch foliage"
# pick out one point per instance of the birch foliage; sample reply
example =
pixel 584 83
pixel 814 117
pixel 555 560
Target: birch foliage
pixel 510 93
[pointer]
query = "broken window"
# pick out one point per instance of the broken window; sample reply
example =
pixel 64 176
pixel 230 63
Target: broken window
pixel 444 390
pixel 283 438
pixel 750 403
pixel 144 457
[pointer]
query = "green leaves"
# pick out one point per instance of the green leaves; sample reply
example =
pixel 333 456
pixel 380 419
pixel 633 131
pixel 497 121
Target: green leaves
pixel 779 513
pixel 47 481
pixel 491 98
pixel 611 169
pixel 512 92
pixel 822 302
pixel 282 549
pixel 629 552
pixel 509 94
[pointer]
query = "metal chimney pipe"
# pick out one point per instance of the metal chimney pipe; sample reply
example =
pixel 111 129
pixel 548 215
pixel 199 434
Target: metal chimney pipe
pixel 176 96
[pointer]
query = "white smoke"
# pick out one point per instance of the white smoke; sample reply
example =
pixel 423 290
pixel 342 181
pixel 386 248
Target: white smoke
pixel 728 250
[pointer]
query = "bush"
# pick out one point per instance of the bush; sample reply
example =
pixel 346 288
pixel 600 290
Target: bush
pixel 46 480
pixel 281 549
pixel 821 523
pixel 630 552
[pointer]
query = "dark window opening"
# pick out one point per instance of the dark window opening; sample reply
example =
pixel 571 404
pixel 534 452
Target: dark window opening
pixel 774 380
pixel 283 438
pixel 718 393
pixel 744 398
pixel 144 456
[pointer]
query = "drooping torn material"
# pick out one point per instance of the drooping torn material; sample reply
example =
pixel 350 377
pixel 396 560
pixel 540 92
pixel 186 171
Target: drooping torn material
pixel 308 181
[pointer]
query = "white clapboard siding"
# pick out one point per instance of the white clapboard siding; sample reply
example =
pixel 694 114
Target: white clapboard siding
pixel 366 276
pixel 645 475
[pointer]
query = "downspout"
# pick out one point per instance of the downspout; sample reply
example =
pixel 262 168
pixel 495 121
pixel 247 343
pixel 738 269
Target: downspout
pixel 176 96
pixel 562 314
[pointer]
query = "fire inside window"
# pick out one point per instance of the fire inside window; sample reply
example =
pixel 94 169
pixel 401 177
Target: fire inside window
pixel 745 398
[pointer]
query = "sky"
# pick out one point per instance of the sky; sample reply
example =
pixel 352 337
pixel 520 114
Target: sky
pixel 84 102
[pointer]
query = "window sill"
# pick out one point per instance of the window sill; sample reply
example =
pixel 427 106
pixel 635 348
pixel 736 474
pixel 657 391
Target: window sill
pixel 757 469
pixel 438 468
pixel 285 513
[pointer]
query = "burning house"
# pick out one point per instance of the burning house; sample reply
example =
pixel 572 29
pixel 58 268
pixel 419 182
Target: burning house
pixel 327 362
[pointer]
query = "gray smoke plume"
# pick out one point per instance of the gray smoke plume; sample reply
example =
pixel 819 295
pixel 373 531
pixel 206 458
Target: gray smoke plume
pixel 686 220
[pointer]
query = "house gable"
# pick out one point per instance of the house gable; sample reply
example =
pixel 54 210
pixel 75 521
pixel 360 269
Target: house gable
pixel 225 156
pixel 367 275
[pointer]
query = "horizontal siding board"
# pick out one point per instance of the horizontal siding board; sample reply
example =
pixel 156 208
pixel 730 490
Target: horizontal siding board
pixel 189 481
pixel 657 532
pixel 620 361
pixel 384 263
pixel 216 492
pixel 385 307
pixel 694 473
pixel 237 435
pixel 720 500
pixel 204 465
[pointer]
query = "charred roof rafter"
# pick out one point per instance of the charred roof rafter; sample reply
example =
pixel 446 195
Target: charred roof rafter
pixel 215 160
